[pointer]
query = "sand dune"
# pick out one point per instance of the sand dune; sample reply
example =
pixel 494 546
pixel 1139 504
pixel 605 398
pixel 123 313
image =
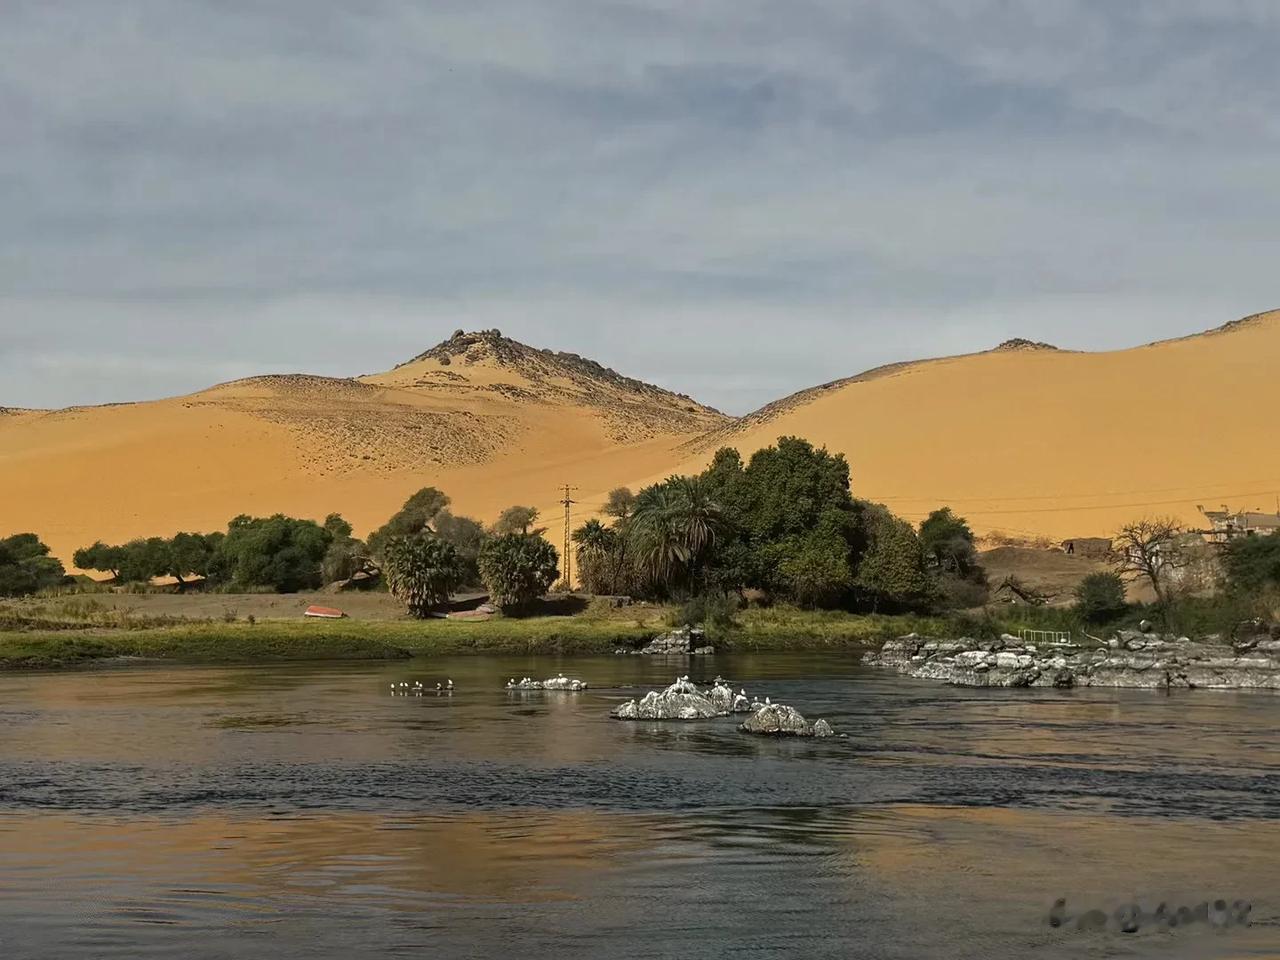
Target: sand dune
pixel 488 420
pixel 1023 439
pixel 1035 441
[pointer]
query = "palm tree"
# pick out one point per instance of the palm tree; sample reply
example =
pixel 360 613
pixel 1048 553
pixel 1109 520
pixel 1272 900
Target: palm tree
pixel 596 546
pixel 673 528
pixel 657 546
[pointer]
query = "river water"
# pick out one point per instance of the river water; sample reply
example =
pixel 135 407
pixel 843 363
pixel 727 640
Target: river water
pixel 305 811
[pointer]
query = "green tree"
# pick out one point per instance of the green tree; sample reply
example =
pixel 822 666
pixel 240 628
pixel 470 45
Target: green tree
pixel 673 530
pixel 278 552
pixel 467 536
pixel 620 504
pixel 346 556
pixel 417 515
pixel 1252 564
pixel 144 559
pixel 892 570
pixel 598 546
pixel 1100 597
pixel 948 543
pixel 100 556
pixel 26 566
pixel 191 554
pixel 422 571
pixel 517 569
pixel 517 520
pixel 815 569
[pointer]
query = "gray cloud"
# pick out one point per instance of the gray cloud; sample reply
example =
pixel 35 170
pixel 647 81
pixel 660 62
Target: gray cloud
pixel 733 198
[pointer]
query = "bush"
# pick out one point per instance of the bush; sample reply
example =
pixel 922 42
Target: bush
pixel 1253 563
pixel 713 611
pixel 517 569
pixel 278 552
pixel 421 571
pixel 1100 597
pixel 26 567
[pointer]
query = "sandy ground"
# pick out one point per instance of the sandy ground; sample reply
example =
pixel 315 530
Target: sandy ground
pixel 497 425
pixel 1027 442
pixel 1054 443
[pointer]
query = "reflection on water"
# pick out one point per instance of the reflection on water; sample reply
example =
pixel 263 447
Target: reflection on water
pixel 304 811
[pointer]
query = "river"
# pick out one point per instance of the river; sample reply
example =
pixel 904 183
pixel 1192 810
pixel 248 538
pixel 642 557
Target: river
pixel 304 811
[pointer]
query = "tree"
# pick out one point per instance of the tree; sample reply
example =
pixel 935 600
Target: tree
pixel 1252 564
pixel 278 551
pixel 597 549
pixel 144 559
pixel 467 536
pixel 517 520
pixel 892 570
pixel 1100 597
pixel 1150 549
pixel 675 526
pixel 417 515
pixel 26 566
pixel 346 556
pixel 815 570
pixel 100 556
pixel 948 544
pixel 619 504
pixel 517 569
pixel 191 554
pixel 422 571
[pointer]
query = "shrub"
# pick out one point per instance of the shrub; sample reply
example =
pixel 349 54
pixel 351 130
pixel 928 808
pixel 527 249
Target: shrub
pixel 26 567
pixel 1100 597
pixel 517 569
pixel 278 552
pixel 1253 563
pixel 712 610
pixel 417 515
pixel 892 572
pixel 421 571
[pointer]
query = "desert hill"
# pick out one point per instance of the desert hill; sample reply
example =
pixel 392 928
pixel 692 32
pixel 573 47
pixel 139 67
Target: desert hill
pixel 489 420
pixel 1036 441
pixel 1024 439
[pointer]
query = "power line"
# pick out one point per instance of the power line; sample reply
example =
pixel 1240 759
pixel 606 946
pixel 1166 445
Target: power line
pixel 568 502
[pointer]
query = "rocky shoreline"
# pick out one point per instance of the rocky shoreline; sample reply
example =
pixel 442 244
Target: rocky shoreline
pixel 1132 658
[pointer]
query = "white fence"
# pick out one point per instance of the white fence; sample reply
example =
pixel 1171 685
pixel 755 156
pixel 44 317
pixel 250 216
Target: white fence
pixel 1044 636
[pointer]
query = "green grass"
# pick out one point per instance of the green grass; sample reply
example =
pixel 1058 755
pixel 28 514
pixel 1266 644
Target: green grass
pixel 273 640
pixel 39 638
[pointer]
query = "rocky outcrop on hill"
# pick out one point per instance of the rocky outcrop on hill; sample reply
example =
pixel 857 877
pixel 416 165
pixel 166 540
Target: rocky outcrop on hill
pixel 1130 659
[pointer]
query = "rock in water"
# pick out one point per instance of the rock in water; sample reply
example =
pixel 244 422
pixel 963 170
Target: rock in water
pixel 779 720
pixel 680 701
pixel 680 642
pixel 1131 659
pixel 553 683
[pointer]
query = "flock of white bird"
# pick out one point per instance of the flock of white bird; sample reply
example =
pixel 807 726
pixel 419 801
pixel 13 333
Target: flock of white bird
pixel 416 689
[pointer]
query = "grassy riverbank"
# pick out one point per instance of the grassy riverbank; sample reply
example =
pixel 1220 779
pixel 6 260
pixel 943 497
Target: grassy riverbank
pixel 75 630
pixel 60 635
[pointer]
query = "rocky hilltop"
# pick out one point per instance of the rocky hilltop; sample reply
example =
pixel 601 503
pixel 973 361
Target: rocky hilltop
pixel 1132 658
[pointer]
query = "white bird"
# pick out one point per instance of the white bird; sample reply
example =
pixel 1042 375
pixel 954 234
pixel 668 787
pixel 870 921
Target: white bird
pixel 449 684
pixel 438 686
pixel 742 692
pixel 766 701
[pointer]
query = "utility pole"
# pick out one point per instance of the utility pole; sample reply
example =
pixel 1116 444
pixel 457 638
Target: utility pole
pixel 567 502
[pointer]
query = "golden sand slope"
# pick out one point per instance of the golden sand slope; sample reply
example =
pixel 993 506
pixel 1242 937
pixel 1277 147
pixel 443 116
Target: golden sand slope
pixel 1036 441
pixel 488 420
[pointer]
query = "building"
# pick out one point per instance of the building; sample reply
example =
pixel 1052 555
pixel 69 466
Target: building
pixel 1225 526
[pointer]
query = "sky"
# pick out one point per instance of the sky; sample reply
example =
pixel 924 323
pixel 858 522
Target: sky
pixel 731 198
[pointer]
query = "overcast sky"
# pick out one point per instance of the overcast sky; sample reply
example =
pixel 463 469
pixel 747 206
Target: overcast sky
pixel 732 198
